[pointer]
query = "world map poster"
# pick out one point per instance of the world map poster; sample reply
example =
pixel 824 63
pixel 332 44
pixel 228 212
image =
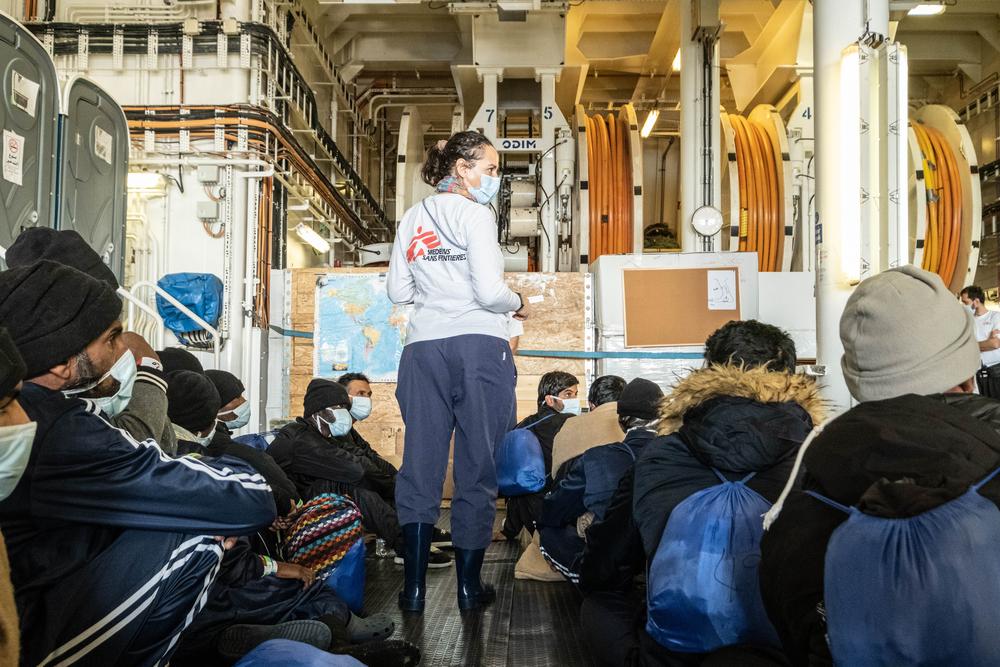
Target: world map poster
pixel 358 329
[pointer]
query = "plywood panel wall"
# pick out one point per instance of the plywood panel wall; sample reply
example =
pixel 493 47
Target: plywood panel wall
pixel 556 324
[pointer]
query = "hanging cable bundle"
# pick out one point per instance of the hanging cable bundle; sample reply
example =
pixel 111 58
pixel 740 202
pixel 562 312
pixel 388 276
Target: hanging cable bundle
pixel 610 186
pixel 761 213
pixel 944 202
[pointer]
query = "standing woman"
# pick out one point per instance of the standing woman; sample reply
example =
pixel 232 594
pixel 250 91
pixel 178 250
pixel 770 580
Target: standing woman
pixel 456 374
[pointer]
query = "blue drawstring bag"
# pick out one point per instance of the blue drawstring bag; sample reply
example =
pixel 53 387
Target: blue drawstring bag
pixel 916 591
pixel 200 292
pixel 259 441
pixel 288 653
pixel 520 463
pixel 702 590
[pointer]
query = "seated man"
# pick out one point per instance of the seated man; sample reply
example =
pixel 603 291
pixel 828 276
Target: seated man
pixel 178 359
pixel 235 411
pixel 557 402
pixel 133 395
pixel 113 544
pixel 17 432
pixel 905 458
pixel 314 453
pixel 383 477
pixel 194 405
pixel 600 426
pixel 745 413
pixel 582 492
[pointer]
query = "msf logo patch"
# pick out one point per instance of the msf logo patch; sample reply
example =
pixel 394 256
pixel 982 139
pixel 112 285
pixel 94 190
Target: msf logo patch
pixel 421 243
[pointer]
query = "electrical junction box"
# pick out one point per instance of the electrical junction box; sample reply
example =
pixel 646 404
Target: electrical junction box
pixel 208 173
pixel 208 210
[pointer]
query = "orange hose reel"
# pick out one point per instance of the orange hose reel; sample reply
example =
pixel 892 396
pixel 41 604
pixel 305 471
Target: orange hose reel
pixel 609 163
pixel 761 214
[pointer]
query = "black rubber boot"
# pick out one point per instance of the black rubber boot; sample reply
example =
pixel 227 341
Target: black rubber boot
pixel 472 592
pixel 416 552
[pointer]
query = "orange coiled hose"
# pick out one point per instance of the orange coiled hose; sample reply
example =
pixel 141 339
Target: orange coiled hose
pixel 609 164
pixel 761 213
pixel 944 203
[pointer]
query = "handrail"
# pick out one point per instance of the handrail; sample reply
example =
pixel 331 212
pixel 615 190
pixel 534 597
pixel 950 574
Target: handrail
pixel 132 301
pixel 187 311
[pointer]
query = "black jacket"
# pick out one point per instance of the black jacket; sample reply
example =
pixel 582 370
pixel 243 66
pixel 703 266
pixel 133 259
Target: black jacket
pixel 308 457
pixel 943 444
pixel 545 431
pixel 587 482
pixel 735 421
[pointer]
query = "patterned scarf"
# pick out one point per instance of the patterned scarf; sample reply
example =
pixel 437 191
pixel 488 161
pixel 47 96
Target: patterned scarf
pixel 454 186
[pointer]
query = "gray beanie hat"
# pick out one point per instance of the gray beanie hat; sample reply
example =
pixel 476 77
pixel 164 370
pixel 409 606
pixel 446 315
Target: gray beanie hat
pixel 905 333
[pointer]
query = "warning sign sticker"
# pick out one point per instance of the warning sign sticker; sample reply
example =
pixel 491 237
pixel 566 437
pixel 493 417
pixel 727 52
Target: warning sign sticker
pixel 24 93
pixel 13 157
pixel 103 144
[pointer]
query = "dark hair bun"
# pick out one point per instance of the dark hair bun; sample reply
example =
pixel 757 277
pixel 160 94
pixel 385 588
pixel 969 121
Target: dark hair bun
pixel 441 160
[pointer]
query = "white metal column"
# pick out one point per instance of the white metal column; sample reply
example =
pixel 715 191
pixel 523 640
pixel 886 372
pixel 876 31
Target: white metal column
pixel 697 173
pixel 836 25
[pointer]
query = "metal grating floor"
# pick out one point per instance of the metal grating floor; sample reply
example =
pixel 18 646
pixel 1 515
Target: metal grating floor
pixel 531 624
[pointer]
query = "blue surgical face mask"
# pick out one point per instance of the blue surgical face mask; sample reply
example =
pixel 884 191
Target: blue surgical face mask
pixel 15 450
pixel 571 406
pixel 361 407
pixel 488 188
pixel 242 412
pixel 341 424
pixel 124 371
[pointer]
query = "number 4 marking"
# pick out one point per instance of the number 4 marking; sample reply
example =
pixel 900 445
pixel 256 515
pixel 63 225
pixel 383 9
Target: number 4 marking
pixel 808 113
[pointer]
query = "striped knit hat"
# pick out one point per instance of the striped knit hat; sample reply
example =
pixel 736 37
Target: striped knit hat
pixel 324 530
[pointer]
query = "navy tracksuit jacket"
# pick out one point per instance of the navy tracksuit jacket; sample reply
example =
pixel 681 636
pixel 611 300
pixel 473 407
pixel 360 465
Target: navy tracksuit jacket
pixel 112 543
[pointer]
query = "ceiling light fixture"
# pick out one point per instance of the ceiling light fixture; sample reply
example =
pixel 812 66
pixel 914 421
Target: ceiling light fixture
pixel 647 127
pixel 310 236
pixel 926 9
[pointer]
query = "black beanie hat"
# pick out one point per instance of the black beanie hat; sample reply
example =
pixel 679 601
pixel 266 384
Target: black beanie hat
pixel 192 401
pixel 53 312
pixel 640 399
pixel 178 359
pixel 11 364
pixel 228 385
pixel 321 394
pixel 64 246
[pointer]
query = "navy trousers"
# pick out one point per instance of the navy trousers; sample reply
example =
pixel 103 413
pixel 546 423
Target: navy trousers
pixel 462 385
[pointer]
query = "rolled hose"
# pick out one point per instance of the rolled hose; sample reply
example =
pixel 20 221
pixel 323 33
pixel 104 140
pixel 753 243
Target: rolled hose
pixel 944 202
pixel 761 224
pixel 609 163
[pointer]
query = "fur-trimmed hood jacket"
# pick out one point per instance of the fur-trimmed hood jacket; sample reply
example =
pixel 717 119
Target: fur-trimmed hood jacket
pixel 728 419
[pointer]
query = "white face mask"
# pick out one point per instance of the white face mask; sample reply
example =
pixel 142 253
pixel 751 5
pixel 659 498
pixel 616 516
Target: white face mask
pixel 340 426
pixel 124 371
pixel 15 450
pixel 204 440
pixel 361 407
pixel 571 406
pixel 242 413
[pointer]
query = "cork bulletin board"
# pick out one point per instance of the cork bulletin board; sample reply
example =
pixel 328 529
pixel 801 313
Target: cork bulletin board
pixel 672 307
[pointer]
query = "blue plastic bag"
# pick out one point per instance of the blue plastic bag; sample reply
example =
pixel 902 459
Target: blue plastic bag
pixel 916 591
pixel 200 292
pixel 702 592
pixel 520 463
pixel 348 578
pixel 287 653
